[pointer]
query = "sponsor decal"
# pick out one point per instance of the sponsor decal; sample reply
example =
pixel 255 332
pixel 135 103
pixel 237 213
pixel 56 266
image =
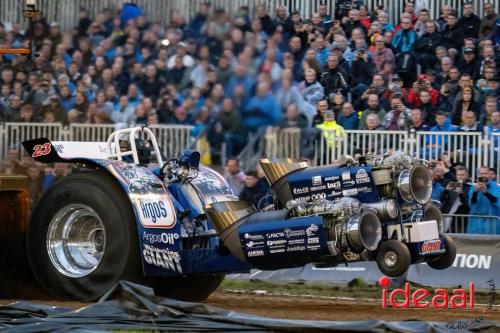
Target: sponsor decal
pixel 313 247
pixel 316 180
pixel 281 250
pixel 311 230
pixel 155 211
pixel 472 261
pixel 278 242
pixel 332 178
pixel 255 253
pixel 302 190
pixel 296 241
pixel 318 196
pixel 348 192
pixel 254 244
pixel 313 240
pixel 423 298
pixel 362 177
pixel 164 237
pixel 346 176
pixel 253 237
pixel 335 194
pixel 165 258
pixel 59 148
pixel 318 188
pixel 41 150
pixel 289 233
pixel 335 185
pixel 431 246
pixel 275 235
pixel 296 248
pixel 364 189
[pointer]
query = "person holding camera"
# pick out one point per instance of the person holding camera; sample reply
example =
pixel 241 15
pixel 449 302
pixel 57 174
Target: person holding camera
pixel 455 201
pixel 484 199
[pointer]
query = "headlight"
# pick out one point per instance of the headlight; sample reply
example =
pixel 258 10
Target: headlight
pixel 431 212
pixel 415 184
pixel 364 231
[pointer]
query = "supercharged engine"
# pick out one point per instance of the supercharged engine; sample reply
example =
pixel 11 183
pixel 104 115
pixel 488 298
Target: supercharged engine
pixel 373 207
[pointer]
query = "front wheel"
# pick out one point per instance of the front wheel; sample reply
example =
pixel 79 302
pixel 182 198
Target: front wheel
pixel 444 260
pixel 393 258
pixel 81 239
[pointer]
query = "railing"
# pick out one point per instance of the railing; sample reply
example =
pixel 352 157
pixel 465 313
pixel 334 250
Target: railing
pixel 172 139
pixel 471 224
pixel 471 149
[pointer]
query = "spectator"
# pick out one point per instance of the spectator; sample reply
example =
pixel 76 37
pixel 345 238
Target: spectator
pixel 488 21
pixel 348 119
pixel 331 130
pixel 321 109
pixel 470 64
pixel 334 80
pixel 372 123
pixel 453 34
pixel 427 108
pixel 466 104
pixel 437 143
pixel 293 119
pixel 230 120
pixel 417 121
pixel 469 23
pixel 405 38
pixel 233 175
pixel 455 201
pixel 426 45
pixel 312 91
pixel 373 108
pixel 383 56
pixel 484 198
pixel 399 117
pixel 470 124
pixel 262 109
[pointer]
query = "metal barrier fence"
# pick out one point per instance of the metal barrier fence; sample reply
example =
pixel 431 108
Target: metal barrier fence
pixel 459 224
pixel 471 149
pixel 66 11
pixel 173 139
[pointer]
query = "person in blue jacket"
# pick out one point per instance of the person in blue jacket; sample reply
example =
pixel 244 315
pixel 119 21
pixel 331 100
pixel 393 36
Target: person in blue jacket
pixel 436 143
pixel 262 109
pixel 484 199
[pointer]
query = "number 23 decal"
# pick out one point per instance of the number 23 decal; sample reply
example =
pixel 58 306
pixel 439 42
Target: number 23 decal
pixel 41 150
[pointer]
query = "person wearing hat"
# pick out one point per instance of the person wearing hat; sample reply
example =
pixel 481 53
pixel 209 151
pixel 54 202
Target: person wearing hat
pixel 331 130
pixel 470 64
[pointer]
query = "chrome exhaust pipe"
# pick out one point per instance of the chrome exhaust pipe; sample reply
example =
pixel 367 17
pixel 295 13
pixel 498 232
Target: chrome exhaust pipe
pixel 415 184
pixel 386 209
pixel 364 231
pixel 276 170
pixel 431 212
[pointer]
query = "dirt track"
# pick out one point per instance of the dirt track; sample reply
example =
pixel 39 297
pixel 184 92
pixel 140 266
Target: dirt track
pixel 321 309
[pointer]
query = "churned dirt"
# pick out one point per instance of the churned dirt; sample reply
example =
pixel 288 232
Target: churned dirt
pixel 293 307
pixel 315 308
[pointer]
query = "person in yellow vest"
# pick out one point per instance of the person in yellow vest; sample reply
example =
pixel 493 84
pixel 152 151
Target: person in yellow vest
pixel 331 130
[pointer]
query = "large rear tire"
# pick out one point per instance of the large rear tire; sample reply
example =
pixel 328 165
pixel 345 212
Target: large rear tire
pixel 444 260
pixel 82 239
pixel 393 258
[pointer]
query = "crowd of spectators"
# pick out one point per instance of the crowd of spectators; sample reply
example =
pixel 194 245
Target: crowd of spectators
pixel 232 74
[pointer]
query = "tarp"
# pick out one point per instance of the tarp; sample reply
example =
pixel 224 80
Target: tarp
pixel 478 261
pixel 132 307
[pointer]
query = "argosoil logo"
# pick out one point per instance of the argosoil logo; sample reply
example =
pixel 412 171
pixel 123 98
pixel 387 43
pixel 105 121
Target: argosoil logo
pixel 422 298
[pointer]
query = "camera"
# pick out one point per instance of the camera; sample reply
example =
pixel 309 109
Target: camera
pixel 483 180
